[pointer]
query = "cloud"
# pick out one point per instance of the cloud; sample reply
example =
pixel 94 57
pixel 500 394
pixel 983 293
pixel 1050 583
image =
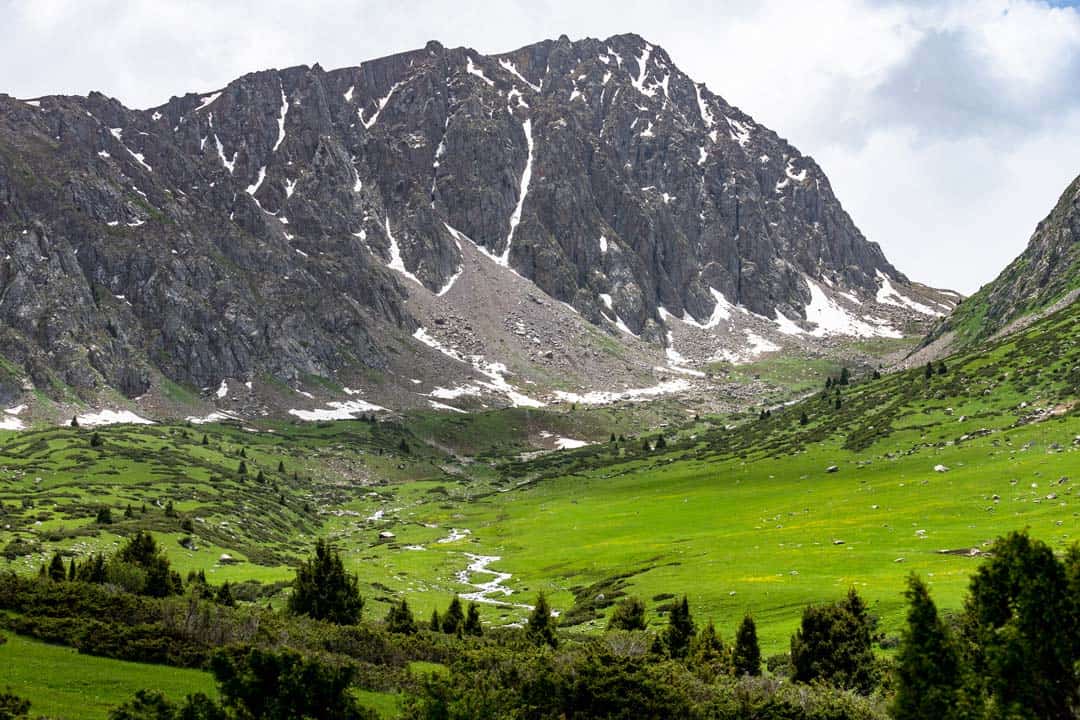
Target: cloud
pixel 946 127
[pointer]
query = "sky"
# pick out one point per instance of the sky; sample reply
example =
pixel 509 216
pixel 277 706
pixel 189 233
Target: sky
pixel 948 129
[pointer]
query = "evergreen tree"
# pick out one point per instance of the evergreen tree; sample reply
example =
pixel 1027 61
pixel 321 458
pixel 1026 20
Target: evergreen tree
pixel 646 447
pixel 435 625
pixel 96 441
pixel 680 629
pixel 708 652
pixel 104 516
pixel 453 618
pixel 73 571
pixel 941 369
pixel 612 437
pixel 803 419
pixel 629 614
pixel 839 403
pixel 1021 619
pixel 541 626
pixel 324 590
pixel 260 478
pixel 747 656
pixel 243 452
pixel 661 443
pixel 833 644
pixel 828 383
pixel 928 667
pixel 142 551
pixel 57 571
pixel 845 377
pixel 74 421
pixel 473 625
pixel 281 466
pixel 13 707
pixel 128 512
pixel 928 371
pixel 225 596
pixel 170 511
pixel 205 440
pixel 400 619
pixel 877 374
pixel 403 447
pixel 242 469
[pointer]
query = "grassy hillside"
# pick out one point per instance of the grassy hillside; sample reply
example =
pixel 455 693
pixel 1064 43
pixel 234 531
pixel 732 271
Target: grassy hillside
pixel 741 515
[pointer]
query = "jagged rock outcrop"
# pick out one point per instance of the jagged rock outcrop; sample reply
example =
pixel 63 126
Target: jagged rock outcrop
pixel 275 227
pixel 1045 277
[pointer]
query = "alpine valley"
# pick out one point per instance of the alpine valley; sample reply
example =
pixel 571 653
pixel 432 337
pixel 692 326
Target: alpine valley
pixel 555 347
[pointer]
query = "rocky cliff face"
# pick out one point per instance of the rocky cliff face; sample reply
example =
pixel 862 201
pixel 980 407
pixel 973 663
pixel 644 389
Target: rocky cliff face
pixel 276 227
pixel 1044 278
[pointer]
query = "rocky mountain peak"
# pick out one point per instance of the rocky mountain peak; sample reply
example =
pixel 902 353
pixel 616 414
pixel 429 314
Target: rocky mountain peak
pixel 291 223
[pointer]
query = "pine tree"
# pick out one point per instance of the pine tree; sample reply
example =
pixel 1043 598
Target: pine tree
pixel 941 369
pixel 243 452
pixel 828 383
pixel 242 469
pixel 645 447
pixel 104 516
pixel 225 596
pixel 170 511
pixel 324 590
pixel 661 443
pixel 95 440
pixel 845 377
pixel 128 512
pixel 57 571
pixel 403 447
pixel 629 614
pixel 541 626
pixel 928 668
pixel 73 571
pixel 877 374
pixel 707 649
pixel 434 625
pixel 74 421
pixel 260 478
pixel 747 656
pixel 833 644
pixel 928 371
pixel 205 440
pixel 453 618
pixel 399 619
pixel 803 419
pixel 612 437
pixel 680 629
pixel 839 403
pixel 281 466
pixel 472 621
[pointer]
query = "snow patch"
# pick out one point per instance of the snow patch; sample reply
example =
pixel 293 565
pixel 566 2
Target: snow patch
pixel 605 397
pixel 337 410
pixel 889 295
pixel 495 372
pixel 474 70
pixel 639 81
pixel 396 261
pixel 512 69
pixel 207 101
pixel 526 176
pixel 381 104
pixel 254 187
pixel 223 390
pixel 112 417
pixel 281 120
pixel 830 318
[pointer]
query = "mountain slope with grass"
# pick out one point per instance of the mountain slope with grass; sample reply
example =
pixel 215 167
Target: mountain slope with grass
pixel 1045 277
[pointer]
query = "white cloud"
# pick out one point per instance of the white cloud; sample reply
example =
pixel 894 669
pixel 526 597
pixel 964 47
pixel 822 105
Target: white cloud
pixel 947 127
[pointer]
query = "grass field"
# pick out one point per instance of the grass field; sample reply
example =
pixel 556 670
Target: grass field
pixel 61 683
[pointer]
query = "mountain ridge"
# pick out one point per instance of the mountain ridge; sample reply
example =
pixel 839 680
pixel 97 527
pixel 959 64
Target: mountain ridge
pixel 280 225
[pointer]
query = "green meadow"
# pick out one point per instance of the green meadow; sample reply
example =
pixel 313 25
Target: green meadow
pixel 741 513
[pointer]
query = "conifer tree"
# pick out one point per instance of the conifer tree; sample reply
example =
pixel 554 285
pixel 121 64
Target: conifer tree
pixel 453 618
pixel 680 629
pixel 324 590
pixel 57 571
pixel 434 625
pixel 629 614
pixel 473 625
pixel 399 619
pixel 541 626
pixel 928 667
pixel 747 656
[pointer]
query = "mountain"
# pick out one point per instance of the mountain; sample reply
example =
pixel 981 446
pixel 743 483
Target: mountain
pixel 1044 278
pixel 429 226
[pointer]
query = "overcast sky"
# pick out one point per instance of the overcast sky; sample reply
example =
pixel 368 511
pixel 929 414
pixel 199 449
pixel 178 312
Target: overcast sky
pixel 948 129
